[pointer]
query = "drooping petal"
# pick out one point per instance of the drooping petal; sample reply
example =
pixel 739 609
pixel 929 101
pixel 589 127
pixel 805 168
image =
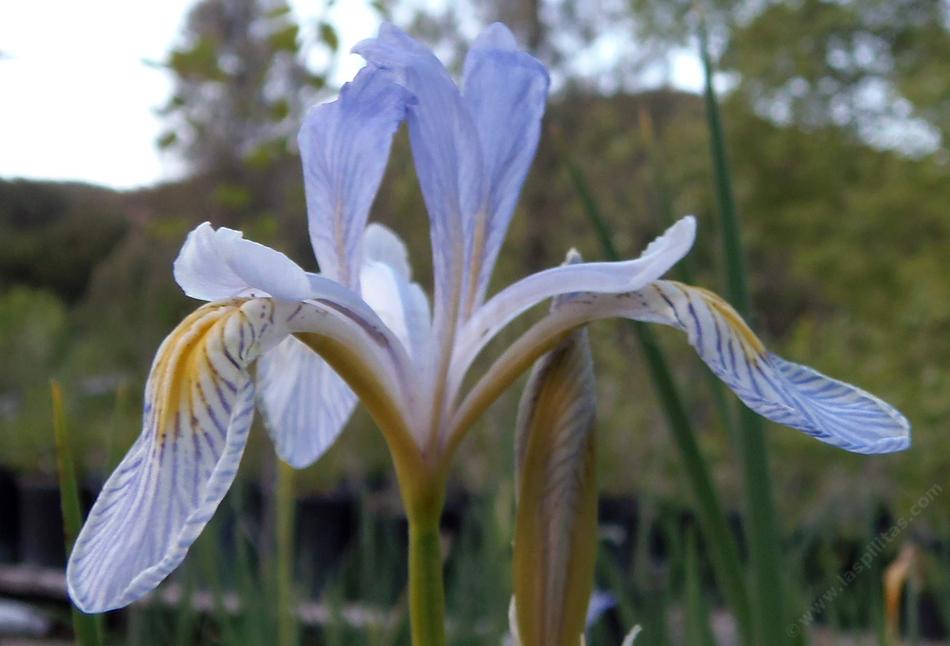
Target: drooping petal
pixel 832 411
pixel 387 288
pixel 304 402
pixel 364 352
pixel 794 395
pixel 216 264
pixel 199 406
pixel 447 156
pixel 556 527
pixel 505 91
pixel 345 146
pixel 597 277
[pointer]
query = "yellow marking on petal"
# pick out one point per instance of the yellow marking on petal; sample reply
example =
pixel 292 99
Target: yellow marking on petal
pixel 339 237
pixel 753 346
pixel 479 239
pixel 177 366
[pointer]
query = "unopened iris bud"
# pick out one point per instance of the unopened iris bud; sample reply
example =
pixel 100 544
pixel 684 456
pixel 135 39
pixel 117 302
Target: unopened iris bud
pixel 556 527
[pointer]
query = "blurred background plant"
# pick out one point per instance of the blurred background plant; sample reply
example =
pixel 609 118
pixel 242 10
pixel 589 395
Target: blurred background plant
pixel 836 119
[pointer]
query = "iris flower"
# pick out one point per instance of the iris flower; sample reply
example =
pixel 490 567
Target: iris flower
pixel 305 347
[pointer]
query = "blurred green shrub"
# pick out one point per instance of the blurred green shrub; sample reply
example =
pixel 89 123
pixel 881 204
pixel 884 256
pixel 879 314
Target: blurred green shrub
pixel 53 235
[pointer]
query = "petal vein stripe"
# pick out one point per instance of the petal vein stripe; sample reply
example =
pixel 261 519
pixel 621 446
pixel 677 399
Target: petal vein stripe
pixel 784 392
pixel 199 407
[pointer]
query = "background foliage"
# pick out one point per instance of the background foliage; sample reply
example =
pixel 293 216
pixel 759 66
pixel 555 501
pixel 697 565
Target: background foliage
pixel 837 118
pixel 847 228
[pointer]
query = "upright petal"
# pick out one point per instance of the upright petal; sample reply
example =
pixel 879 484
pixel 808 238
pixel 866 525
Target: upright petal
pixel 505 91
pixel 447 155
pixel 218 264
pixel 199 403
pixel 388 288
pixel 382 244
pixel 597 277
pixel 345 146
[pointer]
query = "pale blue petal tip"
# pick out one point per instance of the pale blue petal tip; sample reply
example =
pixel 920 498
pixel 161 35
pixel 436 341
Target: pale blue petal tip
pixel 496 36
pixel 786 393
pixel 841 414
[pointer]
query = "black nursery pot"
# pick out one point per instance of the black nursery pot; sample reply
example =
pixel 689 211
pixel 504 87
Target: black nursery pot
pixel 326 524
pixel 40 541
pixel 10 512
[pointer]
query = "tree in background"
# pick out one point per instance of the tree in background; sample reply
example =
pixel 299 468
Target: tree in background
pixel 241 84
pixel 879 68
pixel 809 187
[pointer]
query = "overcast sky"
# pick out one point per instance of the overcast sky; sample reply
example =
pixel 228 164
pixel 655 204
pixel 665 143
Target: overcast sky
pixel 78 99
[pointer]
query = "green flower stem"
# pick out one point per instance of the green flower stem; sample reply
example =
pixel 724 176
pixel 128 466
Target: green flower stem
pixel 763 537
pixel 724 552
pixel 723 549
pixel 426 596
pixel 86 627
pixel 286 611
pixel 422 489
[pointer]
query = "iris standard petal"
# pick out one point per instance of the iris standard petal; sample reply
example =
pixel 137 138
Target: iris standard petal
pixel 344 146
pixel 609 277
pixel 830 410
pixel 305 403
pixel 505 91
pixel 387 288
pixel 216 264
pixel 199 406
pixel 447 156
pixel 382 244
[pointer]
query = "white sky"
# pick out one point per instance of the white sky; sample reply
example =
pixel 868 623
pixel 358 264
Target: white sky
pixel 78 99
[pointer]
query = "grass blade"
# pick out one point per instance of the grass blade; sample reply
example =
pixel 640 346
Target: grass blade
pixel 698 630
pixel 684 268
pixel 763 537
pixel 85 626
pixel 712 518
